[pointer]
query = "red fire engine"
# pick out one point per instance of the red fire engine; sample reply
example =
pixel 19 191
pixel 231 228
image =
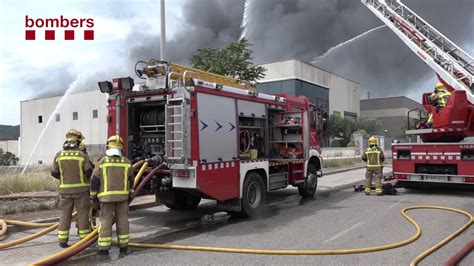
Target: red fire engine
pixel 445 155
pixel 219 138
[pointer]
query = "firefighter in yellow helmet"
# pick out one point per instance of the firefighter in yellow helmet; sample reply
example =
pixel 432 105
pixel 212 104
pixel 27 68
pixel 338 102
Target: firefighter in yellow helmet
pixel 112 185
pixel 374 157
pixel 73 169
pixel 439 98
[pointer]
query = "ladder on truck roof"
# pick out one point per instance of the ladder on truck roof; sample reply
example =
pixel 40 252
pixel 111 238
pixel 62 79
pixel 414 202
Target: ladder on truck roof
pixel 451 63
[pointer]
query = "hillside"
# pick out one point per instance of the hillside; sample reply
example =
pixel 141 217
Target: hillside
pixel 9 132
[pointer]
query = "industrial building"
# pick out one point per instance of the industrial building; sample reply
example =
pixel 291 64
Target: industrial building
pixel 335 94
pixel 10 146
pixel 87 111
pixel 392 112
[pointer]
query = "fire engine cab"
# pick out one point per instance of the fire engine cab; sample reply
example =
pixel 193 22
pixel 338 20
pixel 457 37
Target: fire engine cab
pixel 219 138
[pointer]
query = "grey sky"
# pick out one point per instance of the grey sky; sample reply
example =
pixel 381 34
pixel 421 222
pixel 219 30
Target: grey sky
pixel 127 31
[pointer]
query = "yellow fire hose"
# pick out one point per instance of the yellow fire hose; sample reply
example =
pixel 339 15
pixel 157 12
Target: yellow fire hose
pixel 91 238
pixel 335 251
pixel 50 226
pixel 315 252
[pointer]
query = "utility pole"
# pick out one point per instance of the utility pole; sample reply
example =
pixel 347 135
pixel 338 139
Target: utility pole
pixel 163 30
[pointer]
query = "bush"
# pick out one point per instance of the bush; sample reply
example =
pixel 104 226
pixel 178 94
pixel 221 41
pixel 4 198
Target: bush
pixel 332 163
pixel 7 158
pixel 335 143
pixel 35 180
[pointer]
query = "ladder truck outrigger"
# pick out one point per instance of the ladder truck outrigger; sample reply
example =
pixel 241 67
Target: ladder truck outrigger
pixel 219 138
pixel 445 155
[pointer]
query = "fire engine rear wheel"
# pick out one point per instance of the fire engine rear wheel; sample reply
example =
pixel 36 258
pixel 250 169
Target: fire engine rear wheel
pixel 183 201
pixel 308 188
pixel 253 196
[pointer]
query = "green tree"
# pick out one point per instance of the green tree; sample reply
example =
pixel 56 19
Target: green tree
pixel 344 128
pixel 370 125
pixel 233 60
pixel 341 129
pixel 7 158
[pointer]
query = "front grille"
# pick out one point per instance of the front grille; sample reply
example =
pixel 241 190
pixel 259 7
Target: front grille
pixel 440 169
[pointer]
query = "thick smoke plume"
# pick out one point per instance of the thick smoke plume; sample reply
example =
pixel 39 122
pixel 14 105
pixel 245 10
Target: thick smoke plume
pixel 305 29
pixel 207 23
pixel 282 29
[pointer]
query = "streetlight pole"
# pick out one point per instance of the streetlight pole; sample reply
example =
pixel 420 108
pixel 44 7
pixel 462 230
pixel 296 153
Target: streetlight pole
pixel 163 30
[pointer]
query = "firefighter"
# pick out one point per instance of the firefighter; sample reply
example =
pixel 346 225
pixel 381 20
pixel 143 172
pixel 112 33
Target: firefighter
pixel 112 185
pixel 73 169
pixel 439 98
pixel 374 157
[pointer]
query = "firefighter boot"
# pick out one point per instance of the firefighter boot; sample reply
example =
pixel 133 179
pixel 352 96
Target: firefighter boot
pixel 123 250
pixel 379 191
pixel 103 252
pixel 367 191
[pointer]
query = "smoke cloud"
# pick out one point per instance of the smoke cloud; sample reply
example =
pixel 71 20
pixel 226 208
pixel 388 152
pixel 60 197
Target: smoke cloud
pixel 380 62
pixel 282 29
pixel 207 23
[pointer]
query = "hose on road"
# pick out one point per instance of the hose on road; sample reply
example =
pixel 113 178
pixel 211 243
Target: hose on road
pixel 51 226
pixel 92 238
pixel 335 251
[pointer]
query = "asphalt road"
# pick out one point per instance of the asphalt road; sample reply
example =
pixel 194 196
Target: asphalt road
pixel 333 220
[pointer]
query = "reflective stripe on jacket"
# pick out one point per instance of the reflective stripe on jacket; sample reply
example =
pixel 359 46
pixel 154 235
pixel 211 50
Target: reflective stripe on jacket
pixel 114 175
pixel 374 157
pixel 72 167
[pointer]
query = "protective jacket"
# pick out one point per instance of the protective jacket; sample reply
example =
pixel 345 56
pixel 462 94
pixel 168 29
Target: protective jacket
pixel 73 169
pixel 112 179
pixel 374 157
pixel 441 98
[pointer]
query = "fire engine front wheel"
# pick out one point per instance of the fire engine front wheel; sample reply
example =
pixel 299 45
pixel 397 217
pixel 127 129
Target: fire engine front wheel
pixel 253 196
pixel 308 188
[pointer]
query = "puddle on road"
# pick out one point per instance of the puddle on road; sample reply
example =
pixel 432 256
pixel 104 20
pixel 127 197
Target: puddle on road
pixel 199 224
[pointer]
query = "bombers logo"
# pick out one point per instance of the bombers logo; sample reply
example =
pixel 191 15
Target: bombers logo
pixel 52 25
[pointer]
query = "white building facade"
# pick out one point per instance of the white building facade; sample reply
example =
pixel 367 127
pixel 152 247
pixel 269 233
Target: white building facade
pixel 86 112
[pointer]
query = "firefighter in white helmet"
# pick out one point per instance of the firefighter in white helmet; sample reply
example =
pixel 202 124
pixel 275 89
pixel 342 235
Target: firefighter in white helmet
pixel 112 185
pixel 439 98
pixel 374 157
pixel 73 170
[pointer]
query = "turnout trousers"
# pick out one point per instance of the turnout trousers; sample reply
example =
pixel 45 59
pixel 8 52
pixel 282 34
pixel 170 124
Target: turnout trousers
pixel 67 203
pixel 106 218
pixel 370 174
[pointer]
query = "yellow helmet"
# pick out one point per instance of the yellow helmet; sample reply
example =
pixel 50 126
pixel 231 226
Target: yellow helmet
pixel 439 87
pixel 372 141
pixel 73 135
pixel 115 142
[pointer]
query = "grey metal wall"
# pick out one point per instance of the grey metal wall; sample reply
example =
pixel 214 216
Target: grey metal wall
pixel 316 94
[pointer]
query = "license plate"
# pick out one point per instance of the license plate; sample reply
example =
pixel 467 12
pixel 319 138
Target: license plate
pixel 430 178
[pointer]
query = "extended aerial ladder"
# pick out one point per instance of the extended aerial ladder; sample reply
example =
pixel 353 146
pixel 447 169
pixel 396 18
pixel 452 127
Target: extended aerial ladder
pixel 454 67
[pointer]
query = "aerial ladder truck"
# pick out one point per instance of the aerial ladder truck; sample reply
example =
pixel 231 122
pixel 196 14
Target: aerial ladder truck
pixel 445 155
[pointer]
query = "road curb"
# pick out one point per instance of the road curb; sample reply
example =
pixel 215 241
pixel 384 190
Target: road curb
pixel 131 208
pixel 343 170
